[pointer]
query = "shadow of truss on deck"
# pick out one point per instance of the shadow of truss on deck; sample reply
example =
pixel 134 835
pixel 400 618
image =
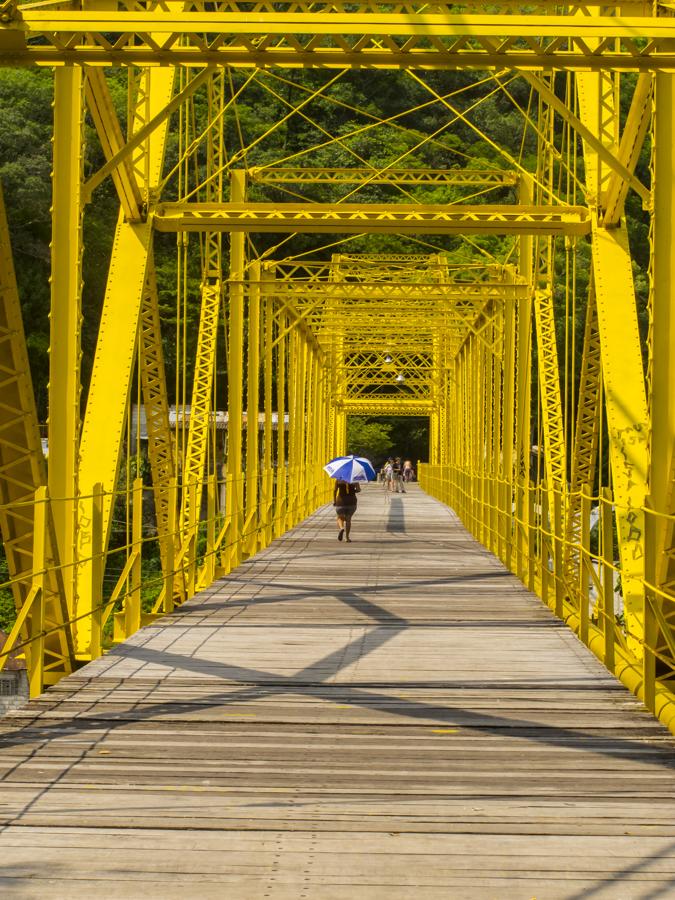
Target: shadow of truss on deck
pixel 311 682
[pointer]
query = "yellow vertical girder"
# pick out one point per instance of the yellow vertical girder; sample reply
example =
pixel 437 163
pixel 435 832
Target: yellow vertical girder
pixel 267 492
pixel 507 409
pixel 202 411
pixel 662 467
pixel 156 404
pixel 234 497
pixel 107 404
pixel 66 317
pixel 661 527
pixel 549 383
pixel 22 475
pixel 281 473
pixel 587 430
pixel 622 370
pixel 586 435
pixel 201 406
pixel 294 372
pixel 108 401
pixel 252 405
pixel 626 411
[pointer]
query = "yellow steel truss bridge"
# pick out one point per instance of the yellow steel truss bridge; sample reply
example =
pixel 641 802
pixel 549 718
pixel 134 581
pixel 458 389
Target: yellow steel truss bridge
pixel 343 228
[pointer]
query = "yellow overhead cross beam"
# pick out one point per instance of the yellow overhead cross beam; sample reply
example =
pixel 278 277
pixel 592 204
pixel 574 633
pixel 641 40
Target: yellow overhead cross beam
pixel 351 218
pixel 356 175
pixel 336 39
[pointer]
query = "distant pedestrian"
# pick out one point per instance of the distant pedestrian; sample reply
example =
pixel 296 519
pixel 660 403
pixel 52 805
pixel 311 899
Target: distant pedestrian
pixel 344 501
pixel 408 471
pixel 398 476
pixel 389 474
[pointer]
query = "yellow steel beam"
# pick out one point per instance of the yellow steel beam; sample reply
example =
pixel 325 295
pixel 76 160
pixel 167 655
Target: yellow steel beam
pixel 584 458
pixel 298 315
pixel 361 7
pixel 281 372
pixel 372 218
pixel 632 139
pixel 160 439
pixel 396 291
pixel 201 405
pixel 252 472
pixel 234 496
pixel 617 164
pixel 110 134
pixel 386 406
pixel 476 324
pixel 124 153
pixel 626 410
pixel 662 467
pixel 108 400
pixel 149 129
pixel 454 177
pixel 623 377
pixel 337 39
pixel 396 268
pixel 267 487
pixel 22 476
pixel 551 403
pixel 66 315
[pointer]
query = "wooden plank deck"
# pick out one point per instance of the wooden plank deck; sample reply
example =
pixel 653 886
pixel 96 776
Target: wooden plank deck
pixel 391 718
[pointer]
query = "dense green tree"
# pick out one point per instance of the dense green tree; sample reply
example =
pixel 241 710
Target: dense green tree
pixel 367 438
pixel 382 436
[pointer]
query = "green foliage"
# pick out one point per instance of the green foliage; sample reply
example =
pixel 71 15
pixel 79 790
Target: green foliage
pixel 367 438
pixel 7 610
pixel 25 167
pixel 25 173
pixel 383 436
pixel 7 607
pixel 410 437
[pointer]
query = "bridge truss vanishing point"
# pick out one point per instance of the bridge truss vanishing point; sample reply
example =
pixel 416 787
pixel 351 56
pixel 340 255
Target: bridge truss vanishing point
pixel 292 252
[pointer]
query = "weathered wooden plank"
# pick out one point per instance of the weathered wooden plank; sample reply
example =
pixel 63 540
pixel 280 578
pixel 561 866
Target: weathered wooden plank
pixel 392 718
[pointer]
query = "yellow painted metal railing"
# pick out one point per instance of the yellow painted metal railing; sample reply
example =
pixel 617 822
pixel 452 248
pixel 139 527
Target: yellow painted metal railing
pixel 126 593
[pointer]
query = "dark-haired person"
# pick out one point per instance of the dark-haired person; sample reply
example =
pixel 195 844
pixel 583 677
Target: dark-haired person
pixel 344 501
pixel 398 476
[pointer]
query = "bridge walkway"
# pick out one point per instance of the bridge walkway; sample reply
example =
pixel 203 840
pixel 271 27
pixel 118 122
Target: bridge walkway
pixel 392 718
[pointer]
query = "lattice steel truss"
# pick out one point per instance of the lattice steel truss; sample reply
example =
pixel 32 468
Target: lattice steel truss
pixel 375 268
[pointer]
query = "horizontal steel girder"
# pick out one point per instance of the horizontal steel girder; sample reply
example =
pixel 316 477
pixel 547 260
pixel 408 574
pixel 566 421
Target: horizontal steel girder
pixel 380 291
pixel 392 405
pixel 339 40
pixel 454 177
pixel 357 219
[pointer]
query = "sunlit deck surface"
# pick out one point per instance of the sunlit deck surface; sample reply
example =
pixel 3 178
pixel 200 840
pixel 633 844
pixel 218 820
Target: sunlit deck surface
pixel 392 718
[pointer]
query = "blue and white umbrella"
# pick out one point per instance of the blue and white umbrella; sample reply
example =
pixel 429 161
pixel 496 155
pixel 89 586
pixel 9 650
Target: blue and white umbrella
pixel 351 469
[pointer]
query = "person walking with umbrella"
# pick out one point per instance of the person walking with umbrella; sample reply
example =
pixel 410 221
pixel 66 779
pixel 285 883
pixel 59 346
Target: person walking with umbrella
pixel 345 502
pixel 348 472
